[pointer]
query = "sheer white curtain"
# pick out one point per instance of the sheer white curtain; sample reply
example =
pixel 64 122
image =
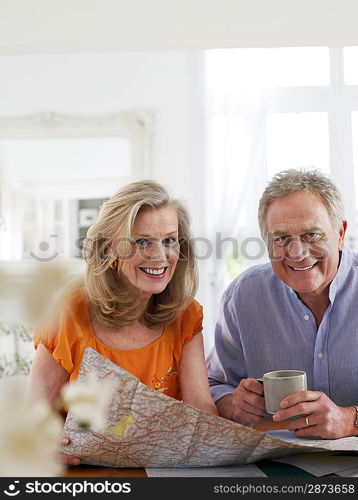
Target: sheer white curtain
pixel 268 110
pixel 236 157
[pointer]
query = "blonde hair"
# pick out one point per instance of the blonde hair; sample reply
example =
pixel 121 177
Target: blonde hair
pixel 292 180
pixel 116 303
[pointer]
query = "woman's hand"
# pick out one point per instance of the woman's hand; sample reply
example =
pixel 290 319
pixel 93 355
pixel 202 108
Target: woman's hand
pixel 63 458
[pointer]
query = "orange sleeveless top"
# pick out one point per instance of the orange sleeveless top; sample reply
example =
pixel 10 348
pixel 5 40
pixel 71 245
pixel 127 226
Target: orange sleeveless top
pixel 156 365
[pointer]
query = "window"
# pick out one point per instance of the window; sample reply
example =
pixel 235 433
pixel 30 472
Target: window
pixel 350 65
pixel 297 139
pixel 296 107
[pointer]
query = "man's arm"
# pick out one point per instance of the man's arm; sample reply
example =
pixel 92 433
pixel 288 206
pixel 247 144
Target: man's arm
pixel 226 363
pixel 245 405
pixel 237 398
pixel 224 406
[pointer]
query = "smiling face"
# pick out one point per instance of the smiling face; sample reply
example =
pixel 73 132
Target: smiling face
pixel 303 244
pixel 155 251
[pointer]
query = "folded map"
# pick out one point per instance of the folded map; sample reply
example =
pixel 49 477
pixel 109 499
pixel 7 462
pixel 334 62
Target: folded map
pixel 159 431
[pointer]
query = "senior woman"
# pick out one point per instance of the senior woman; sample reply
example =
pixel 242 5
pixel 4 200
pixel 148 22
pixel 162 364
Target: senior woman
pixel 137 304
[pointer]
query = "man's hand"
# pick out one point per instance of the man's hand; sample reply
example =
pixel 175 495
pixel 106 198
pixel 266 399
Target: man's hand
pixel 322 417
pixel 248 405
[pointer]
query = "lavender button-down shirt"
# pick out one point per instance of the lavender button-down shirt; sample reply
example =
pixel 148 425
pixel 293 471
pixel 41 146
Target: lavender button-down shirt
pixel 264 326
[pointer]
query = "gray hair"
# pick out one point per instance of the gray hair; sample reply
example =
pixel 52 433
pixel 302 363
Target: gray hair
pixel 292 180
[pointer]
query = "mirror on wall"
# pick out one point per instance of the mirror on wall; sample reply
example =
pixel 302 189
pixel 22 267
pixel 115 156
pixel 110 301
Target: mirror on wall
pixel 56 171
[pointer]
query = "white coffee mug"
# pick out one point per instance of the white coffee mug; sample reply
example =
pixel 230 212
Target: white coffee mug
pixel 281 383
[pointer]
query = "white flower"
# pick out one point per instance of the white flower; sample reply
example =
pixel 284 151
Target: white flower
pixel 88 400
pixel 29 434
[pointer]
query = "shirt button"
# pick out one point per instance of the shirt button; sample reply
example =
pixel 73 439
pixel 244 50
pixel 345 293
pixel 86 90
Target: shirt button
pixel 320 355
pixel 306 317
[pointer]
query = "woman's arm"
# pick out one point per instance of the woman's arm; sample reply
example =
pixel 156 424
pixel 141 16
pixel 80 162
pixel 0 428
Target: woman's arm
pixel 193 376
pixel 47 378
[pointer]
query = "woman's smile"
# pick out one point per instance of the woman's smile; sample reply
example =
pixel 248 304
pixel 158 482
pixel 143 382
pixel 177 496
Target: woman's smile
pixel 154 272
pixel 155 254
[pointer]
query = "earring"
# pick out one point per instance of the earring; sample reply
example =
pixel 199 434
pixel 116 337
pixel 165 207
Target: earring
pixel 114 264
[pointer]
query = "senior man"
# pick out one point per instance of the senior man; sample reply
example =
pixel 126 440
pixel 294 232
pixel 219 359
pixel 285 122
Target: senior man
pixel 298 312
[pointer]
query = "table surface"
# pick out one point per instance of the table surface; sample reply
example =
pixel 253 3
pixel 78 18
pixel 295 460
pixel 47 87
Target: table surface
pixel 97 471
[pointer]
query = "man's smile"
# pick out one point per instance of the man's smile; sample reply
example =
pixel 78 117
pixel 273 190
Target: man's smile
pixel 300 269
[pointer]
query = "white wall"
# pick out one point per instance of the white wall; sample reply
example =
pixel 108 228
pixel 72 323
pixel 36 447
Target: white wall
pixel 106 83
pixel 168 82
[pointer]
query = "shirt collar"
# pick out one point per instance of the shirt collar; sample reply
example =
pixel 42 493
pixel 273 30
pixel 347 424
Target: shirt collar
pixel 345 266
pixel 342 272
